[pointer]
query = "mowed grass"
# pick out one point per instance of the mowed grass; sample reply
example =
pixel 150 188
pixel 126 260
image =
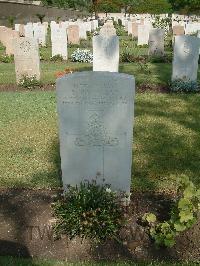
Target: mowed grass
pixel 166 140
pixel 9 261
pixel 150 73
pixel 159 73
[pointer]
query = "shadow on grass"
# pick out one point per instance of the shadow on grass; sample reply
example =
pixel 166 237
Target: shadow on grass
pixel 52 178
pixel 166 139
pixel 21 209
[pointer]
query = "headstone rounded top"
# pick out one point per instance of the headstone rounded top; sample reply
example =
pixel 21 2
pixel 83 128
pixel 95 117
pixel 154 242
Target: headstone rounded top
pixel 94 74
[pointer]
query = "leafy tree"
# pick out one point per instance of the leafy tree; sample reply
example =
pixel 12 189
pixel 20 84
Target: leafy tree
pixel 186 6
pixel 127 5
pixel 107 6
pixel 151 7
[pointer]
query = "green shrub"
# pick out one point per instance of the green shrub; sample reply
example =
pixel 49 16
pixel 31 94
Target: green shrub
pixel 128 56
pixel 184 86
pixel 119 22
pixel 56 58
pixel 85 44
pixel 143 46
pixel 120 31
pixel 7 58
pixel 89 211
pixel 168 40
pixel 184 215
pixel 29 82
pixel 89 36
pixel 71 45
pixel 156 59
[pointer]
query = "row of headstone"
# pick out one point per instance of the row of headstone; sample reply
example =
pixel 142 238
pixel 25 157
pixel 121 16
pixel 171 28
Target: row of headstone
pixel 106 50
pixel 37 31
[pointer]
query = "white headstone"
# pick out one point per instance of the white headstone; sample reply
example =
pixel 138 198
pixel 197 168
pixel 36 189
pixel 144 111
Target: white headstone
pixel 107 30
pixel 82 31
pixel 143 34
pixel 94 24
pixel 105 53
pixel 28 28
pixel 156 42
pixel 40 34
pixel 59 42
pixel 96 111
pixel 186 55
pixel 26 55
pixel 17 27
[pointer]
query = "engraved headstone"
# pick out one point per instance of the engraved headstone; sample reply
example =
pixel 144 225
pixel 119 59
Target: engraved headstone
pixel 26 55
pixel 156 42
pixel 3 30
pixel 94 24
pixel 9 37
pixel 143 34
pixel 17 27
pixel 28 28
pixel 73 34
pixel 178 30
pixel 186 55
pixel 21 30
pixel 135 30
pixel 82 31
pixel 105 53
pixel 107 30
pixel 88 26
pixel 96 111
pixel 40 34
pixel 129 27
pixel 59 42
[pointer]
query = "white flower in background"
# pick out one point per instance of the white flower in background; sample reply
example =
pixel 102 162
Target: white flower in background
pixel 108 190
pixel 84 56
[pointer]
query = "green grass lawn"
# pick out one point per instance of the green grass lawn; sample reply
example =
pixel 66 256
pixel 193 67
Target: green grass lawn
pixel 166 140
pixel 8 261
pixel 160 73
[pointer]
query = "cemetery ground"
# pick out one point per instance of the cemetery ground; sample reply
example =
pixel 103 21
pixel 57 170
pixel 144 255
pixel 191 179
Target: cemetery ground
pixel 166 145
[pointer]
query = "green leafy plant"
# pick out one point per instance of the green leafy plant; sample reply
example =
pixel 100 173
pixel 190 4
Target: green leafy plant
pixel 29 82
pixel 120 31
pixel 89 211
pixel 119 22
pixel 187 86
pixel 6 58
pixel 143 46
pixel 183 215
pixel 162 23
pixel 73 45
pixel 58 19
pixel 56 58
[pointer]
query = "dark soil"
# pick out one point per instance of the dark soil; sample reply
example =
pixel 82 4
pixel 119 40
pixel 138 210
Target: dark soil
pixel 14 88
pixel 153 88
pixel 25 230
pixel 51 87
